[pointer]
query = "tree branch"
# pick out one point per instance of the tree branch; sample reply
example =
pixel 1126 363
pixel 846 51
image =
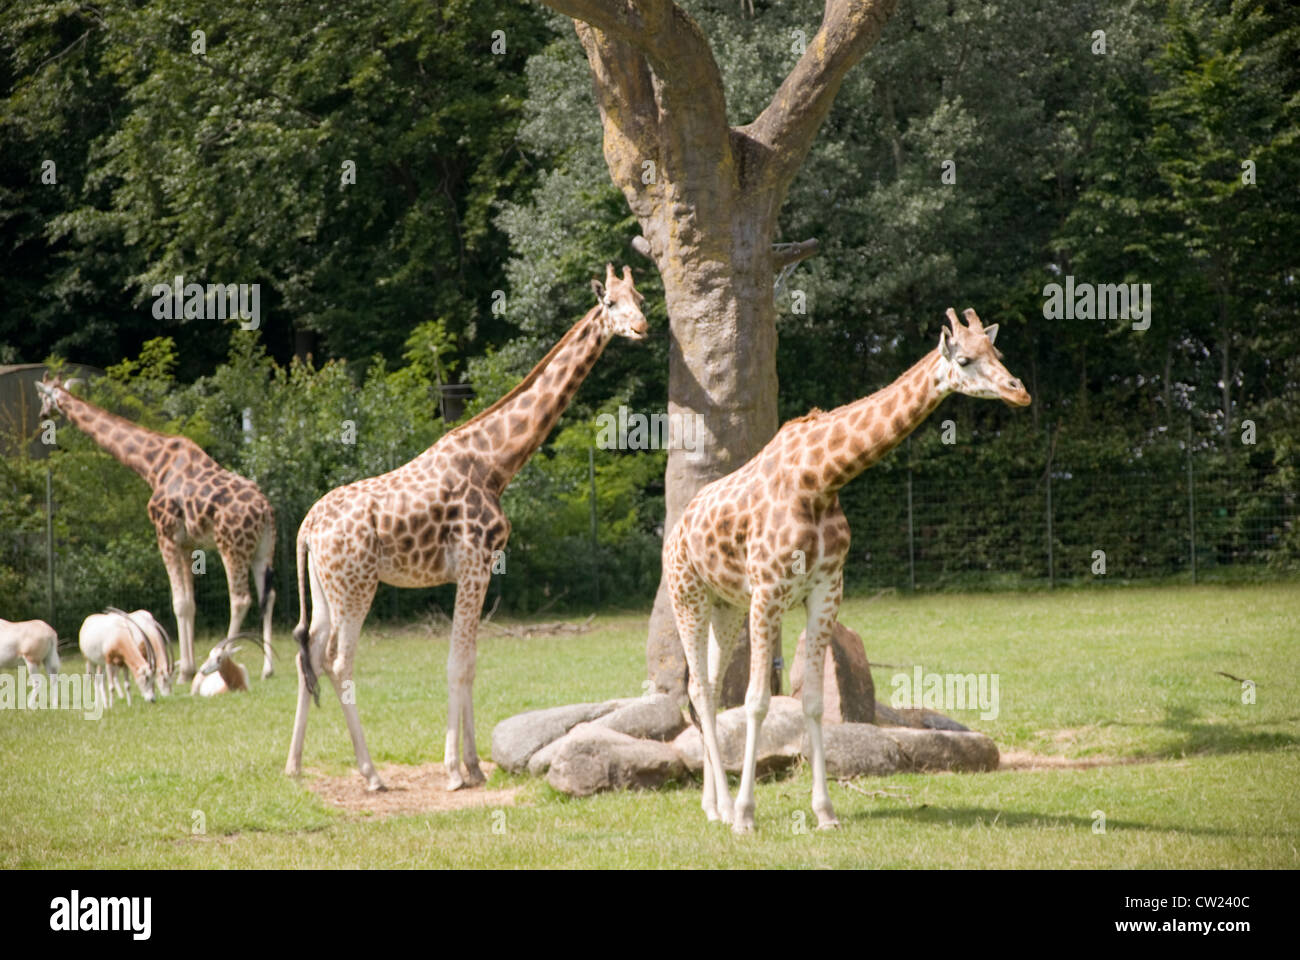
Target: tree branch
pixel 628 112
pixel 785 129
pixel 686 124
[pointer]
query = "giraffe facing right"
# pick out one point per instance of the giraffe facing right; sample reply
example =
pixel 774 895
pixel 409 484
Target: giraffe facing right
pixel 437 519
pixel 772 534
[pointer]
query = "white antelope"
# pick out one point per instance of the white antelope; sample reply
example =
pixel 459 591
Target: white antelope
pixel 220 673
pixel 155 634
pixel 111 640
pixel 36 643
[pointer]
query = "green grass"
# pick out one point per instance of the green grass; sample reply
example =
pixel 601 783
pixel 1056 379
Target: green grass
pixel 1108 673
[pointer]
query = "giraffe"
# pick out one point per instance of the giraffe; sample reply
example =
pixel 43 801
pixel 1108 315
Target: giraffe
pixel 195 503
pixel 435 520
pixel 772 534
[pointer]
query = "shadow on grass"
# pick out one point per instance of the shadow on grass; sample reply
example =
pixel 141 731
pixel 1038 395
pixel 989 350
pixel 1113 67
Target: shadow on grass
pixel 988 817
pixel 1210 738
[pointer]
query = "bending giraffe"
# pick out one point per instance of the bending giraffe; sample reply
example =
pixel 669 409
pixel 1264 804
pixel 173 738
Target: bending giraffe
pixel 772 534
pixel 195 504
pixel 436 520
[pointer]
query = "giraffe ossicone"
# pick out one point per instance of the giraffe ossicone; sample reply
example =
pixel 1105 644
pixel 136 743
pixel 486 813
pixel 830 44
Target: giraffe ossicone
pixel 435 520
pixel 772 534
pixel 195 504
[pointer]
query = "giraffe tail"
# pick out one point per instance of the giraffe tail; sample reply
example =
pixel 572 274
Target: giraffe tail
pixel 300 632
pixel 266 596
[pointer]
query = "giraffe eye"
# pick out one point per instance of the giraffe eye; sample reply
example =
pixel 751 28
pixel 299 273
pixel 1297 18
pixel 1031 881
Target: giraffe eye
pixel 962 361
pixel 608 303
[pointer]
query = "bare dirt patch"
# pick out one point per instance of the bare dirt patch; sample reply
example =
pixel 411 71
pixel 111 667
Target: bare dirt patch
pixel 421 789
pixel 1024 760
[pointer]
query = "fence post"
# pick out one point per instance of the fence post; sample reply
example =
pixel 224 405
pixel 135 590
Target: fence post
pixel 595 560
pixel 1191 500
pixel 1051 560
pixel 49 537
pixel 911 524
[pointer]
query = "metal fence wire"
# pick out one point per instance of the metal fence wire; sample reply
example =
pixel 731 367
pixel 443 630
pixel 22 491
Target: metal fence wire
pixel 1203 515
pixel 927 518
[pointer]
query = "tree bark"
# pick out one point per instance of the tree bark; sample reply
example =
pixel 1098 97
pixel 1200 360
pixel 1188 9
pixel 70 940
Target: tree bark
pixel 707 197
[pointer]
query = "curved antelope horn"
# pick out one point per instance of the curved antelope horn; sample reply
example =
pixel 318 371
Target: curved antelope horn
pixel 137 634
pixel 972 319
pixel 167 648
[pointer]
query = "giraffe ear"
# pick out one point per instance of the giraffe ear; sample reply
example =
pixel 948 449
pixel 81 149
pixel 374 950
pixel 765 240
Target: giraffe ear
pixel 599 289
pixel 991 331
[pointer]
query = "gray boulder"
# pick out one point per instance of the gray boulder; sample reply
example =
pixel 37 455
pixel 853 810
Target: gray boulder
pixel 863 749
pixel 848 692
pixel 857 750
pixel 921 719
pixel 516 739
pixel 654 717
pixel 779 738
pixel 592 758
pixel 931 750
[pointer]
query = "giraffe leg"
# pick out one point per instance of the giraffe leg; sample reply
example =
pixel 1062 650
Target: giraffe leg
pixel 265 594
pixel 764 634
pixel 693 630
pixel 318 634
pixel 823 605
pixel 237 587
pixel 347 631
pixel 471 589
pixel 182 583
pixel 725 624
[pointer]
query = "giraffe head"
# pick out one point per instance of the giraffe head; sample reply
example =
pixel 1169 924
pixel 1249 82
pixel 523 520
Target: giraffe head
pixel 620 304
pixel 970 364
pixel 48 389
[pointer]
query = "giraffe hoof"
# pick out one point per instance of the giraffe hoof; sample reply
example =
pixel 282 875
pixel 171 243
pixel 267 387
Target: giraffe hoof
pixel 831 824
pixel 741 828
pixel 375 786
pixel 474 777
pixel 267 672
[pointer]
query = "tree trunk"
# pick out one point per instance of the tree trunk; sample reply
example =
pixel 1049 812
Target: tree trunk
pixel 707 196
pixel 722 375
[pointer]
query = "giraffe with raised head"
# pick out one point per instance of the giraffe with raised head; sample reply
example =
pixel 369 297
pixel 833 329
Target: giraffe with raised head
pixel 195 505
pixel 772 534
pixel 435 520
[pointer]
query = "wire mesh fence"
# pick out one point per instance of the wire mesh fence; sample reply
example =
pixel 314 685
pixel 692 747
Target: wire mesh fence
pixel 1199 516
pixel 926 519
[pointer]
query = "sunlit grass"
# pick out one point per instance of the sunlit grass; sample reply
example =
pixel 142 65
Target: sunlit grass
pixel 1128 674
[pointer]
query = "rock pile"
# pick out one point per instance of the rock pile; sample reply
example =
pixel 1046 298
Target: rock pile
pixel 645 742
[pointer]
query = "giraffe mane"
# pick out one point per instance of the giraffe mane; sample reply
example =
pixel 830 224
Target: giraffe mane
pixel 532 375
pixel 812 414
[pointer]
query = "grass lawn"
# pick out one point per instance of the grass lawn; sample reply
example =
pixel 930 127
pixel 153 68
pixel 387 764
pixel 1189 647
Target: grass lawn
pixel 1187 775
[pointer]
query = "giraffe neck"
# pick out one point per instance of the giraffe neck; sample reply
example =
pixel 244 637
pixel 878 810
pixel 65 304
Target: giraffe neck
pixel 862 432
pixel 510 431
pixel 130 444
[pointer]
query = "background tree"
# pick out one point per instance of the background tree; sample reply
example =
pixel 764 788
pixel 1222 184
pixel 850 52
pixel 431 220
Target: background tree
pixel 707 196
